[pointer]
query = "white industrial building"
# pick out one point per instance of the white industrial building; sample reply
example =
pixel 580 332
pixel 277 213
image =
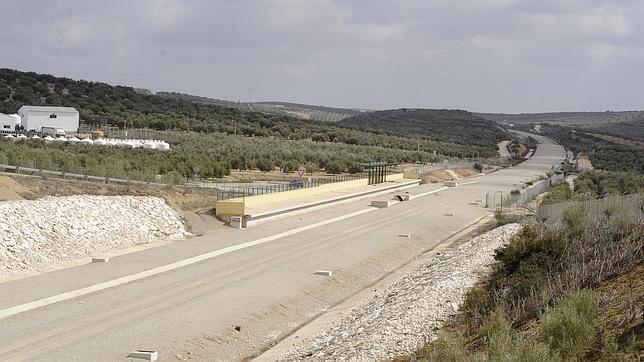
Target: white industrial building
pixel 8 123
pixel 34 118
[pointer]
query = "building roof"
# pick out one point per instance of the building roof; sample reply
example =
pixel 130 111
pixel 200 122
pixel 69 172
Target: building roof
pixel 47 109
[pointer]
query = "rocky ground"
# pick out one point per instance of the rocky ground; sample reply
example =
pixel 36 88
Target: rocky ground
pixel 408 314
pixel 38 233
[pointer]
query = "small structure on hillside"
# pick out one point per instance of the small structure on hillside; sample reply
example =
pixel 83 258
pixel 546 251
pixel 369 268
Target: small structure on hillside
pixel 34 118
pixel 8 123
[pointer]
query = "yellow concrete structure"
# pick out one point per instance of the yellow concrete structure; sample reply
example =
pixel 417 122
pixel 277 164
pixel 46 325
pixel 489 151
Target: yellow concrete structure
pixel 237 207
pixel 410 176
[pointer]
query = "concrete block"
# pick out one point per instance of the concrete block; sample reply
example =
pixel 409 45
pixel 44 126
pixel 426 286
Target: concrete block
pixel 450 183
pixel 326 273
pixel 404 235
pixel 236 222
pixel 100 259
pixel 474 203
pixel 143 354
pixel 450 214
pixel 381 204
pixel 230 208
pixel 402 197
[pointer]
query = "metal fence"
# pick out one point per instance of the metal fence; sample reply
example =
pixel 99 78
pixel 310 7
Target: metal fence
pixel 501 200
pixel 438 166
pixel 628 208
pixel 532 191
pixel 227 191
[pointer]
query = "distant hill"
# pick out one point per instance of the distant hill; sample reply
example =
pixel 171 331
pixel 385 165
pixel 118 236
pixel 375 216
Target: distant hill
pixel 628 124
pixel 446 125
pixel 582 119
pixel 301 111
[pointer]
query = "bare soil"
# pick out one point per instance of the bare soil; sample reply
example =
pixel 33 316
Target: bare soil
pixel 12 190
pixel 455 174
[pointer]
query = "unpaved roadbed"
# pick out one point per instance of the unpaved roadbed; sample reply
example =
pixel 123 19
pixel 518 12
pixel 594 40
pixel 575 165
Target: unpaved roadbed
pixel 408 314
pixel 42 232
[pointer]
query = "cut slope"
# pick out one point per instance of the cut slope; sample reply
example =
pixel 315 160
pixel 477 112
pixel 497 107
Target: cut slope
pixel 35 234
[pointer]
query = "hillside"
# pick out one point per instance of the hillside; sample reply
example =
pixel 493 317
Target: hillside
pixel 297 110
pixel 628 124
pixel 585 119
pixel 455 126
pixel 207 133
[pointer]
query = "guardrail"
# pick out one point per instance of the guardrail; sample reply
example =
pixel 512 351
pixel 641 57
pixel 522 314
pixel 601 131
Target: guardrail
pixel 42 172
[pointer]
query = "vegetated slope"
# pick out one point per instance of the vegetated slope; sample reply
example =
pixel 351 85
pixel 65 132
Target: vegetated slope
pixel 100 103
pixel 581 119
pixel 556 294
pixel 446 125
pixel 297 110
pixel 632 129
pixel 604 155
pixel 307 111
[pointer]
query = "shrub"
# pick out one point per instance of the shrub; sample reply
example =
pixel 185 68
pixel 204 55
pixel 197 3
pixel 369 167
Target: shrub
pixel 559 192
pixel 355 168
pixel 449 347
pixel 265 164
pixel 500 218
pixel 515 192
pixel 497 330
pixel 569 327
pixel 334 167
pixel 574 218
pixel 478 167
pixel 530 351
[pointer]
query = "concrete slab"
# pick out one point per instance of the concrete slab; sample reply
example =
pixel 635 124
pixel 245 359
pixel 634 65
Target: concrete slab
pixel 326 273
pixel 381 204
pixel 144 355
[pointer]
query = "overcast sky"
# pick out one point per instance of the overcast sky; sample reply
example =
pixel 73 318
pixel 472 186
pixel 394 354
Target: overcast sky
pixel 480 55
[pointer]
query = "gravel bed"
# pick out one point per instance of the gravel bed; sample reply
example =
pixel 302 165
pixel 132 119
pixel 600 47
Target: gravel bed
pixel 42 232
pixel 408 314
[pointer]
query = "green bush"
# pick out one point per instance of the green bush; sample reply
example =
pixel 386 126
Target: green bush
pixel 497 331
pixel 449 347
pixel 530 246
pixel 500 218
pixel 355 168
pixel 265 164
pixel 569 327
pixel 334 167
pixel 559 192
pixel 478 167
pixel 531 351
pixel 575 219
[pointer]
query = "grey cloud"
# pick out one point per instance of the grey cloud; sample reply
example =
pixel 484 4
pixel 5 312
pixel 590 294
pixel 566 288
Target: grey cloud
pixel 483 55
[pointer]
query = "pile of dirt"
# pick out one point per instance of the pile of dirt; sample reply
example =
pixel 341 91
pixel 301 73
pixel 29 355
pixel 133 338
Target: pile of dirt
pixel 448 175
pixel 12 190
